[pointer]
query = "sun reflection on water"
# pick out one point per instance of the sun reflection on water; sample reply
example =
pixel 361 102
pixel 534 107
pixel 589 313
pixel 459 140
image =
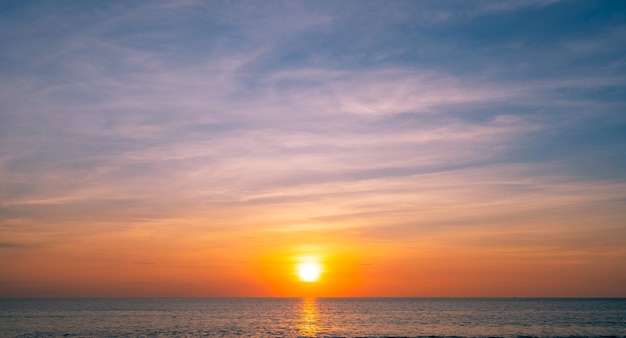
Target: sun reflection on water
pixel 308 318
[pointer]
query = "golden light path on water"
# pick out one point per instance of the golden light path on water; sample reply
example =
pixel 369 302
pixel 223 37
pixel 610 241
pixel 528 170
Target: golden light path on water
pixel 308 318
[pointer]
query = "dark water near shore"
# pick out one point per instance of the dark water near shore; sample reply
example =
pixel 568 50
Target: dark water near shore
pixel 325 317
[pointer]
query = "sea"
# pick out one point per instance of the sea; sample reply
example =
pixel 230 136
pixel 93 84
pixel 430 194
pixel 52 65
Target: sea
pixel 313 317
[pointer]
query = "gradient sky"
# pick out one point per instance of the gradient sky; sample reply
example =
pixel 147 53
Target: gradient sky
pixel 418 148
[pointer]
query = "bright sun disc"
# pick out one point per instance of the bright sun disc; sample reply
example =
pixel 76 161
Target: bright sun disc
pixel 309 272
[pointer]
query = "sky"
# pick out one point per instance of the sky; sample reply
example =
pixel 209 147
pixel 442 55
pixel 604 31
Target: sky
pixel 182 148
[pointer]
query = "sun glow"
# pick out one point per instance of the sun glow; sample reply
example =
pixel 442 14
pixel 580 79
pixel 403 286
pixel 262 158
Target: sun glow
pixel 309 271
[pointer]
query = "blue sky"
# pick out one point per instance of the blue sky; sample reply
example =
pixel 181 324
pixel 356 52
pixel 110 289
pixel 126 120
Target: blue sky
pixel 465 123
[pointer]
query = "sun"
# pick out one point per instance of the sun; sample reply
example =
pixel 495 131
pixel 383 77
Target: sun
pixel 309 271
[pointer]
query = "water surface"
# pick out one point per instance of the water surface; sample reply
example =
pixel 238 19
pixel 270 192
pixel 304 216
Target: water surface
pixel 322 317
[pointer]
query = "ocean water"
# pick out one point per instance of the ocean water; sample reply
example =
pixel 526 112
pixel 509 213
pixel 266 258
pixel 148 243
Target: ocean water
pixel 321 317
